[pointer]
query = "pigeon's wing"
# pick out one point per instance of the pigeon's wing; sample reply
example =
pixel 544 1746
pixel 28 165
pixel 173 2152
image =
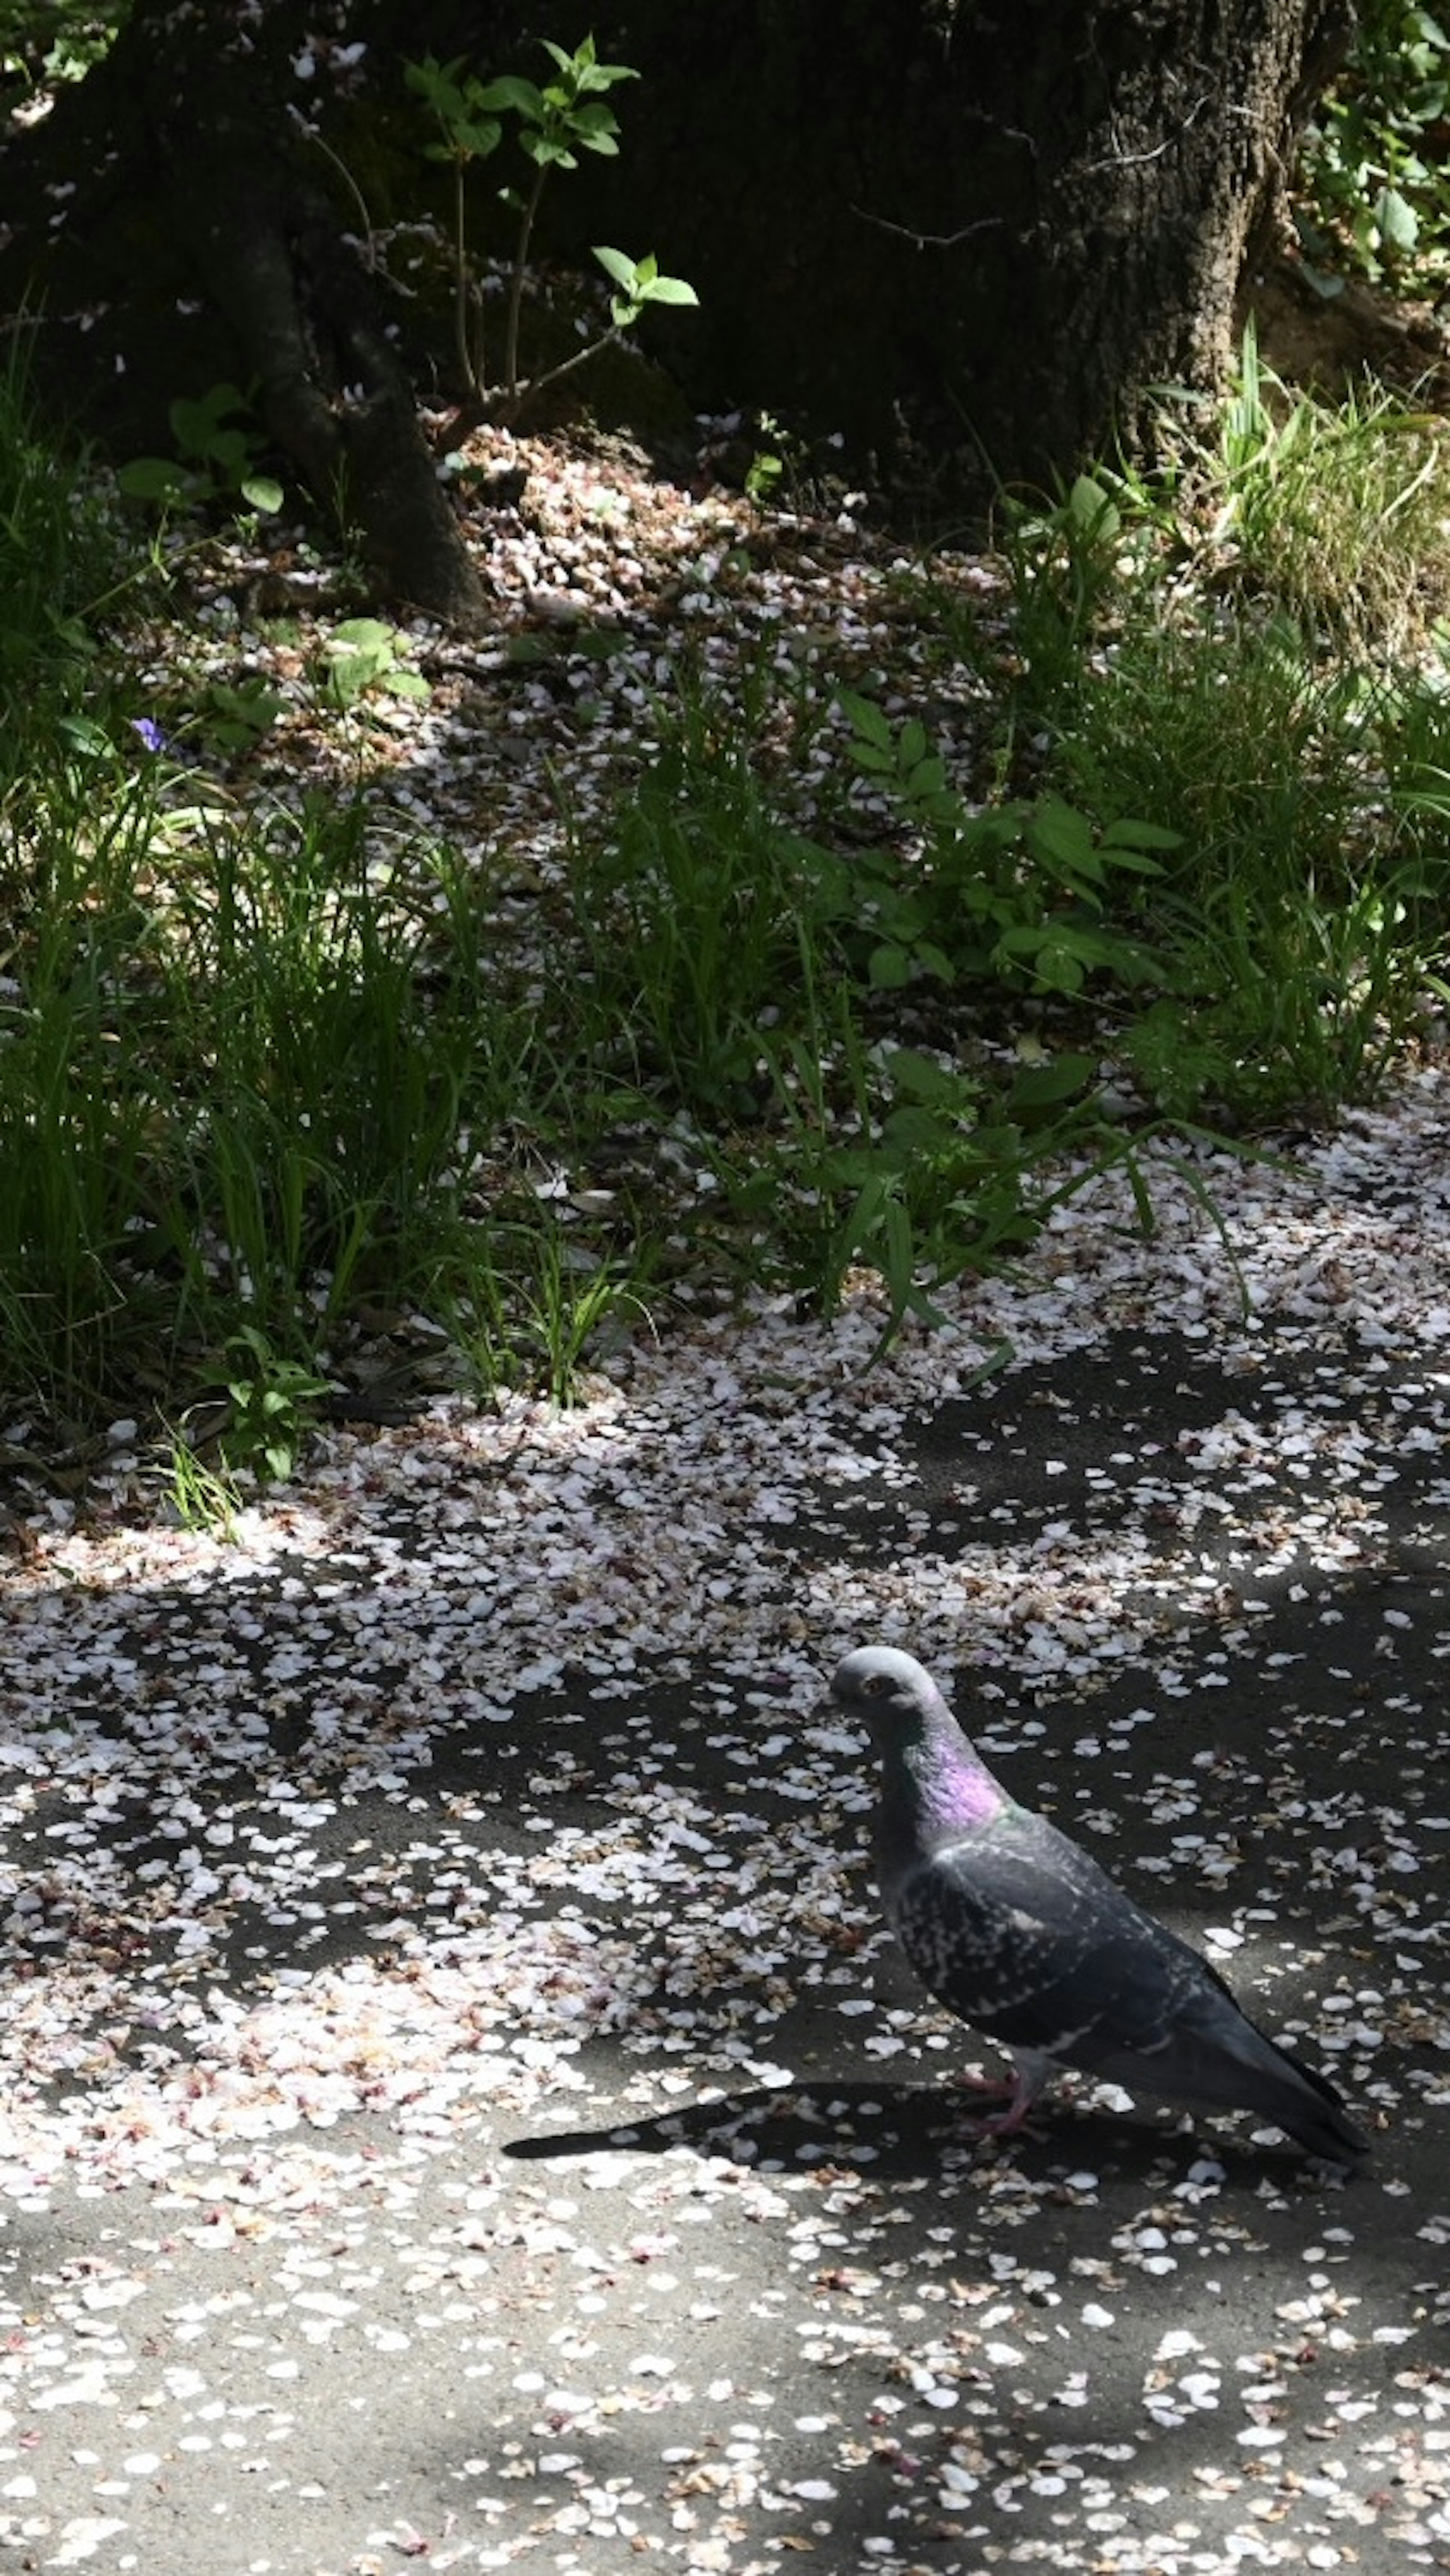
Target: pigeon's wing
pixel 1020 1933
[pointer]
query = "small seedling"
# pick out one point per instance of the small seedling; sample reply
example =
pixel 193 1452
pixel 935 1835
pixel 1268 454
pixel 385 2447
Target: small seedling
pixel 567 116
pixel 272 1405
pixel 234 716
pixel 364 653
pixel 216 457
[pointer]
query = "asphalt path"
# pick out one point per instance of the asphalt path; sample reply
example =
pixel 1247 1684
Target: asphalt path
pixel 463 2104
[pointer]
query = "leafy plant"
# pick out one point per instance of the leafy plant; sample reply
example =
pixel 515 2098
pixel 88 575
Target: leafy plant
pixel 365 653
pixel 1373 162
pixel 235 715
pixel 217 448
pixel 568 115
pixel 1015 893
pixel 271 1401
pixel 58 40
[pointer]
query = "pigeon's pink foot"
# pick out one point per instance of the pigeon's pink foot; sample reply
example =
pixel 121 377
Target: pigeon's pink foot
pixel 1017 2096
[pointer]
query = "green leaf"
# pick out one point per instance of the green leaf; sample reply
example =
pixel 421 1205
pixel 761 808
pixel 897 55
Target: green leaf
pixel 430 76
pixel 1399 225
pixel 866 719
pixel 1141 836
pixel 154 478
pixel 888 968
pixel 671 290
pixel 1041 1086
pixel 923 1129
pixel 924 1079
pixel 1059 968
pixel 263 493
pixel 1092 511
pixel 81 734
pixel 507 94
pixel 477 136
pixel 1059 833
pixel 595 124
pixel 616 265
pixel 363 635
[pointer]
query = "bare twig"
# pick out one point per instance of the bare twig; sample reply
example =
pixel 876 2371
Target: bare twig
pixel 929 241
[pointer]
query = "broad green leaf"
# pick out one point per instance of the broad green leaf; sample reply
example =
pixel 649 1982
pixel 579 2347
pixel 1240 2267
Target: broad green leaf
pixel 226 449
pixel 1141 836
pixel 430 76
pixel 1058 967
pixel 616 265
pixel 263 493
pixel 81 734
pixel 154 478
pixel 924 1129
pixel 924 1079
pixel 671 290
pixel 479 136
pixel 1092 510
pixel 1058 832
pixel 1041 1086
pixel 864 715
pixel 1399 225
pixel 519 95
pixel 363 635
pixel 888 968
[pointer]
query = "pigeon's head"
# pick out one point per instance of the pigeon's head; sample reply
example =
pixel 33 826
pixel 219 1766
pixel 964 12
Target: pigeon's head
pixel 885 1689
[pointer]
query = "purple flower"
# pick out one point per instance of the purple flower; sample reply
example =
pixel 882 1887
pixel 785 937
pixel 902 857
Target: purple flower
pixel 150 732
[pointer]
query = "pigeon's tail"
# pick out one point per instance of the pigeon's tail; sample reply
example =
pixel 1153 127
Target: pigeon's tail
pixel 1248 2071
pixel 1306 2106
pixel 1214 2057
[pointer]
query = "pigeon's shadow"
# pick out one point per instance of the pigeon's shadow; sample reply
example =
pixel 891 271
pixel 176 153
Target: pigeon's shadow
pixel 900 2131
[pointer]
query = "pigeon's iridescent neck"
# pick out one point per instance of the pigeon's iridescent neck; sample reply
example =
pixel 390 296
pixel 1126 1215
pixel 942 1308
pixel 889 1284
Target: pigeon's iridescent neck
pixel 946 1790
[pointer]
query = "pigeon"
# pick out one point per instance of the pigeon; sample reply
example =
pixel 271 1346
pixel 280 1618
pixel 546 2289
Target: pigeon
pixel 1019 1932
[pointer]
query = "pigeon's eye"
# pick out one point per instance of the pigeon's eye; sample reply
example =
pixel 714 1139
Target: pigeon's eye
pixel 876 1685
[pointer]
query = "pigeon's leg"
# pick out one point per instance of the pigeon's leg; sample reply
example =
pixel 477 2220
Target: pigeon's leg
pixel 1021 2089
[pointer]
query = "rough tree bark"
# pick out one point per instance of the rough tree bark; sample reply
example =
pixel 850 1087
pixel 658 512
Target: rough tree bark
pixel 173 226
pixel 984 226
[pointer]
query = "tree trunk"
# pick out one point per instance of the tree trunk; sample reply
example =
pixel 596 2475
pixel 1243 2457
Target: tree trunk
pixel 205 244
pixel 987 225
pixel 967 232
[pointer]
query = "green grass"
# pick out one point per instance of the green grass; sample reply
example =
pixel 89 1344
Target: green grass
pixel 276 1079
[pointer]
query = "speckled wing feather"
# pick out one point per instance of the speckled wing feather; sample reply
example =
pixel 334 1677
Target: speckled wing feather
pixel 1020 1933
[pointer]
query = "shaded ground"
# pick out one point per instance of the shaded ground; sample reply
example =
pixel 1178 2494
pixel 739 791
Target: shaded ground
pixel 460 2101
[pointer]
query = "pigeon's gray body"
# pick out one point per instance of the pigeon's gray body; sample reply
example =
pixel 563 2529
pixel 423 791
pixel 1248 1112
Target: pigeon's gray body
pixel 1019 1932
